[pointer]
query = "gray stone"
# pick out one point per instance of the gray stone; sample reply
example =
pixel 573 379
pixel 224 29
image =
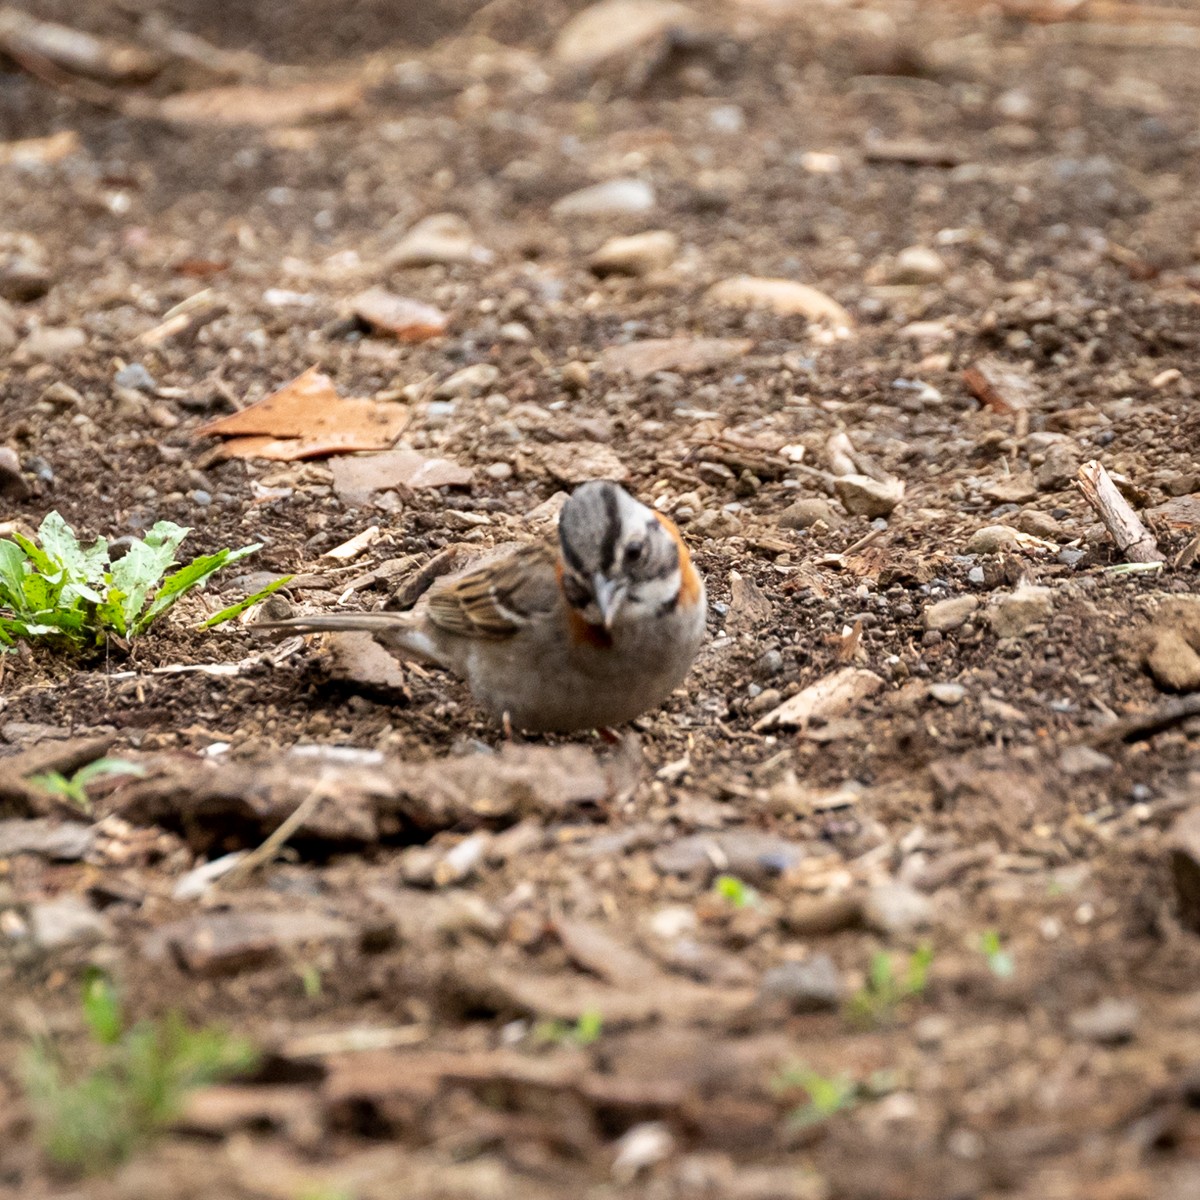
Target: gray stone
pixel 639 254
pixel 1108 1023
pixel 51 345
pixel 948 694
pixel 13 485
pixel 991 539
pixel 896 908
pixel 804 514
pixel 866 497
pixel 1039 524
pixel 444 238
pixel 1058 468
pixel 1016 613
pixel 135 376
pixel 750 855
pixel 950 614
pixel 814 985
pixel 65 921
pixel 469 381
pixel 614 197
pixel 57 840
pixel 23 279
pixel 917 265
pixel 1083 760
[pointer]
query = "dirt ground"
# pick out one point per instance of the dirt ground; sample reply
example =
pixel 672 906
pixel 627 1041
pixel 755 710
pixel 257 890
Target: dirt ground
pixel 968 183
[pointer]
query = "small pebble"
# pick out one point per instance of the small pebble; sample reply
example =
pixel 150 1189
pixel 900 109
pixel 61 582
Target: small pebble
pixel 948 694
pixel 814 985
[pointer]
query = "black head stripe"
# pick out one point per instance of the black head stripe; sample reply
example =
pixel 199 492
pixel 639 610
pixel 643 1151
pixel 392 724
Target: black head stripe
pixel 612 530
pixel 576 591
pixel 571 556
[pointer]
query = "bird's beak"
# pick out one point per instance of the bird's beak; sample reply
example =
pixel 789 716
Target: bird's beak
pixel 610 597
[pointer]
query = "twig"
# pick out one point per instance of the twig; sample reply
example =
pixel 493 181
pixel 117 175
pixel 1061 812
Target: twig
pixel 1142 725
pixel 270 847
pixel 1133 539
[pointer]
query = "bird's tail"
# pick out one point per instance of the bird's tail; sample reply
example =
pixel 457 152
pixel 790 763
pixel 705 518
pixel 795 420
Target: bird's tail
pixel 399 632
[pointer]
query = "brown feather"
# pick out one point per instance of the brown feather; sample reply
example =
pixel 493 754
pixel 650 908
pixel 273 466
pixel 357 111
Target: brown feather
pixel 496 601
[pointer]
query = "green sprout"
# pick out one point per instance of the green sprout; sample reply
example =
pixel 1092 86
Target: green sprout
pixel 74 597
pixel 890 985
pixel 1000 961
pixel 825 1095
pixel 583 1032
pixel 735 890
pixel 74 789
pixel 133 1086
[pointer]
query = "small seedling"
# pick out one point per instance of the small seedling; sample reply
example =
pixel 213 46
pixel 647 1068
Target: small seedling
pixel 889 986
pixel 92 1119
pixel 737 892
pixel 74 789
pixel 827 1094
pixel 311 981
pixel 74 597
pixel 999 961
pixel 583 1032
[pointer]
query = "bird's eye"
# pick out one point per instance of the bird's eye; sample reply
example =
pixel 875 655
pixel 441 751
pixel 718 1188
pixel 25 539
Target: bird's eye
pixel 634 552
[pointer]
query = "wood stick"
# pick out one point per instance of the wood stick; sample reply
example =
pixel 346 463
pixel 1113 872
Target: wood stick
pixel 1133 539
pixel 1145 724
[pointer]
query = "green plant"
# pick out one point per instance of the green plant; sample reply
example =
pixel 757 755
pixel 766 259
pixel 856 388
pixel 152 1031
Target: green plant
pixel 739 893
pixel 825 1094
pixel 74 789
pixel 91 1119
pixel 889 985
pixel 583 1032
pixel 999 961
pixel 74 597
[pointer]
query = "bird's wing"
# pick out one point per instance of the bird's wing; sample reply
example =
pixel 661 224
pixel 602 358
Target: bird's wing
pixel 498 599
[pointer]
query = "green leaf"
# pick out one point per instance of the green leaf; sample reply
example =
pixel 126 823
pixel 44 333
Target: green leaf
pixel 107 766
pixel 101 1009
pixel 142 566
pixel 196 574
pixel 60 543
pixel 236 610
pixel 36 555
pixel 12 574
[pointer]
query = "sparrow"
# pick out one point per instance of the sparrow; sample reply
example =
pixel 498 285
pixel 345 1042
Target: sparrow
pixel 553 639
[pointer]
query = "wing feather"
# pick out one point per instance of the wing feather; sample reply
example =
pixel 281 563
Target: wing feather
pixel 498 599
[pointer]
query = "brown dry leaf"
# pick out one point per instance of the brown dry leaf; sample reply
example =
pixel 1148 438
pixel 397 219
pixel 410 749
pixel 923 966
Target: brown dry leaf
pixel 409 320
pixel 356 478
pixel 39 151
pixel 307 419
pixel 577 462
pixel 783 296
pixel 686 355
pixel 832 696
pixel 263 106
pixel 1001 386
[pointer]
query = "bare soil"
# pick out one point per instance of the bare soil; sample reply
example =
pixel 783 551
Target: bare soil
pixel 1067 221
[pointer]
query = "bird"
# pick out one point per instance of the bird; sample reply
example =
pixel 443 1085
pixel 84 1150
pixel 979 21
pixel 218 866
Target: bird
pixel 585 634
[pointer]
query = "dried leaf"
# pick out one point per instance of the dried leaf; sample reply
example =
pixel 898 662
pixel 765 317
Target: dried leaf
pixel 262 106
pixel 356 478
pixel 306 419
pixel 409 320
pixel 832 696
pixel 688 356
